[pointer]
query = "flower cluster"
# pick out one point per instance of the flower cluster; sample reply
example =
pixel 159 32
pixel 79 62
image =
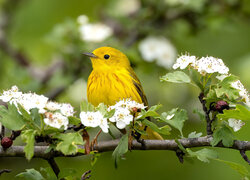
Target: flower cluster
pixel 56 114
pixel 91 32
pixel 159 49
pixel 122 116
pixel 204 65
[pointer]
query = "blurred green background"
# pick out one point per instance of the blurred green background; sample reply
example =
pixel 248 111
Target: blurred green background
pixel 46 32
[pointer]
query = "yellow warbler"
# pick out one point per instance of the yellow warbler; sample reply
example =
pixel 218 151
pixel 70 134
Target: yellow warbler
pixel 113 79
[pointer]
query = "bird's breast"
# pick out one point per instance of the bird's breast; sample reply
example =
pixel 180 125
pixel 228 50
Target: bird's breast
pixel 110 87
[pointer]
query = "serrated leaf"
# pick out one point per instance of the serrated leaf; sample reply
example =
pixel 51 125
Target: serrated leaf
pixel 121 149
pixel 102 108
pixel 31 174
pixel 240 112
pixel 165 130
pixel 225 88
pixel 203 155
pixel 177 121
pixel 176 77
pixel 74 120
pixel 68 142
pixel 28 136
pixel 194 135
pixel 242 170
pixel 223 134
pixel 149 113
pixel 24 113
pixel 10 117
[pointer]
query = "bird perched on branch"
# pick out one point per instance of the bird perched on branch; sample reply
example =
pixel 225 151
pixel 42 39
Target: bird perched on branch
pixel 113 79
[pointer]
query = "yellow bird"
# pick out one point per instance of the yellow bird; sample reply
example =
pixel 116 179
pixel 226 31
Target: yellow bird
pixel 113 79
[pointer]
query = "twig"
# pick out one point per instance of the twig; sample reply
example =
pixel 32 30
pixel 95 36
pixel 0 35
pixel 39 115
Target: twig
pixel 85 175
pixel 243 154
pixel 209 121
pixel 14 135
pixel 180 154
pixel 4 171
pixel 54 166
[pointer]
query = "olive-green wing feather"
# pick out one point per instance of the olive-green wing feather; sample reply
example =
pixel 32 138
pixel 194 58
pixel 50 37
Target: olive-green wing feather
pixel 138 86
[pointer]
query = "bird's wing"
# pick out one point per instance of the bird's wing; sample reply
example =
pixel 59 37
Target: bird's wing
pixel 138 86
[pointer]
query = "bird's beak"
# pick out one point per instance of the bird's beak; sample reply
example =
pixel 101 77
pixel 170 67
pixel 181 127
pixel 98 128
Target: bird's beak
pixel 90 55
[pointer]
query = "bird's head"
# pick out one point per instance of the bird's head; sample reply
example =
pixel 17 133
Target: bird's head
pixel 108 58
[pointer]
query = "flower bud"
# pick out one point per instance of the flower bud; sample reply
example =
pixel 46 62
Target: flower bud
pixel 6 142
pixel 221 105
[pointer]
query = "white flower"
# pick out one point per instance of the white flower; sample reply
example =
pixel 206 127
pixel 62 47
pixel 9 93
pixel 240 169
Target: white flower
pixel 104 125
pixel 66 109
pixel 242 91
pixel 122 117
pixel 95 32
pixel 129 104
pixel 183 61
pixel 52 106
pixel 211 65
pixel 31 100
pixel 126 7
pixel 94 119
pixel 11 95
pixel 221 77
pixel 159 49
pixel 235 124
pixel 56 120
pixel 82 19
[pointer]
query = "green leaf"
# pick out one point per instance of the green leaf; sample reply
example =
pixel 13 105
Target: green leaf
pixel 10 117
pixel 223 134
pixel 225 89
pixel 196 77
pixel 28 136
pixel 36 118
pixel 68 142
pixel 177 121
pixel 67 172
pixel 109 114
pixel 203 155
pixel 24 113
pixel 200 114
pixel 102 108
pixel 150 113
pixel 241 112
pixel 165 130
pixel 74 120
pixel 85 106
pixel 31 174
pixel 194 135
pixel 176 77
pixel 121 149
pixel 242 170
pixel 50 175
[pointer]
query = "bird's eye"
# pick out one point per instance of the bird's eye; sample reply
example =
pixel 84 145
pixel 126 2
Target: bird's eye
pixel 106 56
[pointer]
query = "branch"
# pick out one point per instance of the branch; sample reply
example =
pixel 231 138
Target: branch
pixel 4 171
pixel 54 166
pixel 105 146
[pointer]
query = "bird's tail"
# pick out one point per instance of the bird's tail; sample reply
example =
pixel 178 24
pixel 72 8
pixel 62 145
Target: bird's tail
pixel 151 134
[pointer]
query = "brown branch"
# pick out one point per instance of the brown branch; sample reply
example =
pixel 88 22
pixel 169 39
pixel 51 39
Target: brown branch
pixel 244 156
pixel 104 146
pixel 86 175
pixel 4 171
pixel 54 166
pixel 207 112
